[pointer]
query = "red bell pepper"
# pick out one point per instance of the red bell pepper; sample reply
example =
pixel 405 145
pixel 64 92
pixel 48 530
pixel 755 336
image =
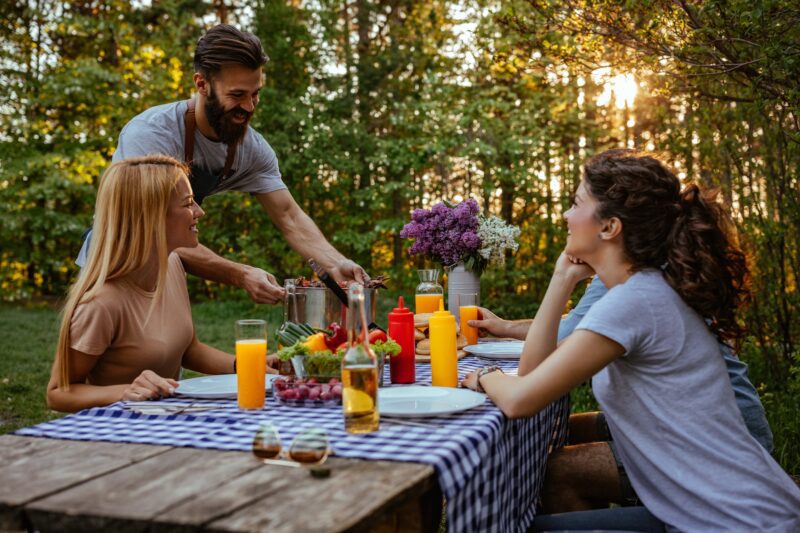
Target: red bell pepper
pixel 376 335
pixel 337 336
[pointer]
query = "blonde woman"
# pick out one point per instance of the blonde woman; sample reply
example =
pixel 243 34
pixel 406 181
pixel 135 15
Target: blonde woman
pixel 127 326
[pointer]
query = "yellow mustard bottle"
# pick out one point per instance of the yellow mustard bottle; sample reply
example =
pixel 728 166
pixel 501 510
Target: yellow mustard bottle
pixel 444 360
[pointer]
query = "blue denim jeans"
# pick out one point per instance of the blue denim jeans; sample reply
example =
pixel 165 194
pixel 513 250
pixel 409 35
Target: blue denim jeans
pixel 614 519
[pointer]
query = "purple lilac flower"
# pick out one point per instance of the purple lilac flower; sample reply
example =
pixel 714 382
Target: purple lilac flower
pixel 444 234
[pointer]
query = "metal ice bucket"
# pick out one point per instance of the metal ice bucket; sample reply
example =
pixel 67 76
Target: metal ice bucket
pixel 319 307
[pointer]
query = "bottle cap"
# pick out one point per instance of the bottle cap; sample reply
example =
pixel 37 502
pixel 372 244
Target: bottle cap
pixel 401 309
pixel 441 314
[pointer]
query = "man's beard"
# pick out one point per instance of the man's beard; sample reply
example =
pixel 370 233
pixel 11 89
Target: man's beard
pixel 221 121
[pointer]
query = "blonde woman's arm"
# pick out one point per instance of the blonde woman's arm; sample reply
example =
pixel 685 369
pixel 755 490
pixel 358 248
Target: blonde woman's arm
pixel 146 386
pixel 201 357
pixel 491 324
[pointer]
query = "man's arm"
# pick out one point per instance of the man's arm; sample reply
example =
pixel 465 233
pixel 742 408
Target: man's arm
pixel 305 237
pixel 203 263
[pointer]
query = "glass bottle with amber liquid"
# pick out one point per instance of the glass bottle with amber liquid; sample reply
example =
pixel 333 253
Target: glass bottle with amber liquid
pixel 359 369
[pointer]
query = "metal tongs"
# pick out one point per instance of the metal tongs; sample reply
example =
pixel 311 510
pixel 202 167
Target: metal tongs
pixel 333 285
pixel 329 282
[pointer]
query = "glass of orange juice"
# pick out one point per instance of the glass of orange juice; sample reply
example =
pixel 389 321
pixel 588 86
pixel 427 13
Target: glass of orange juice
pixel 468 310
pixel 251 363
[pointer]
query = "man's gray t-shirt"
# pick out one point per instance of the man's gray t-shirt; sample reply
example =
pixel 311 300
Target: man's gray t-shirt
pixel 671 409
pixel 161 130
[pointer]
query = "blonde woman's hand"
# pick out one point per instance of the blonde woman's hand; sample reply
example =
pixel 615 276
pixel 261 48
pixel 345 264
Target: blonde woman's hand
pixel 149 386
pixel 572 268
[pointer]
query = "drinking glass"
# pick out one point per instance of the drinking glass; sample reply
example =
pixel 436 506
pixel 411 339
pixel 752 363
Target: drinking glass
pixel 468 310
pixel 251 363
pixel 309 447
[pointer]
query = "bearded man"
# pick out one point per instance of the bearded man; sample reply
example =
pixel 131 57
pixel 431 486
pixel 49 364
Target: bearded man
pixel 211 133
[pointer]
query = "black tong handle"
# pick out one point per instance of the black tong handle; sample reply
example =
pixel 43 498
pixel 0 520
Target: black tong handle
pixel 329 282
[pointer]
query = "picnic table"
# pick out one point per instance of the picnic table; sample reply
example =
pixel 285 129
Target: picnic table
pixel 192 471
pixel 57 485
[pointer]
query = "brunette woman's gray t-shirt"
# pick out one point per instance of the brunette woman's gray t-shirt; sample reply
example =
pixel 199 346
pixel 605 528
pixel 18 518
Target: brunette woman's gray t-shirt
pixel 671 409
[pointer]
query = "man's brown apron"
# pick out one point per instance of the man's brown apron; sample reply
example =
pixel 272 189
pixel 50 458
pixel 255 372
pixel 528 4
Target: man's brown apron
pixel 203 181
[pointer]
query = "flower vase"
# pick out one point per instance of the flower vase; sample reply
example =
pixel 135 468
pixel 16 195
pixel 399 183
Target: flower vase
pixel 461 280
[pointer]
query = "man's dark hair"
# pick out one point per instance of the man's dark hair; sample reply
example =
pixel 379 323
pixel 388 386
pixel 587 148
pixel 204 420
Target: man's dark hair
pixel 225 45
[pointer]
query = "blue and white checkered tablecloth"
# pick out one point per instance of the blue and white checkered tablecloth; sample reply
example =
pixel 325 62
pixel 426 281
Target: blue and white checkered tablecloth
pixel 490 468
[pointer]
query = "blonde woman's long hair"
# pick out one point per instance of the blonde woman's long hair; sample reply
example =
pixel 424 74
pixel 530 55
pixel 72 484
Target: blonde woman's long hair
pixel 130 222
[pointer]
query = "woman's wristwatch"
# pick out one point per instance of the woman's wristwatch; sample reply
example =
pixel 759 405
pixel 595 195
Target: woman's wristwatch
pixel 482 372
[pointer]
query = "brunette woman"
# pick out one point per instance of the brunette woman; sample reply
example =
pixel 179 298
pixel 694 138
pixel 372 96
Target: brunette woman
pixel 676 280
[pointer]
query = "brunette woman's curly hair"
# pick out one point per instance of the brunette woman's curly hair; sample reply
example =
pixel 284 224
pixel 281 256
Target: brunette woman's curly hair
pixel 685 233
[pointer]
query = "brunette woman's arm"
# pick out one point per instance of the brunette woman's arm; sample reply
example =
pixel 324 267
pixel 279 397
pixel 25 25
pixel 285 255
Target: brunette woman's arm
pixel 542 338
pixel 580 356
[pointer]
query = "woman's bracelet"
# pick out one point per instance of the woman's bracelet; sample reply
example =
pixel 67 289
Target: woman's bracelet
pixel 482 372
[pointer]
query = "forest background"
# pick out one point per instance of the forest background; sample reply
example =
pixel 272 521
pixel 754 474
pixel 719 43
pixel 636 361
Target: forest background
pixel 377 107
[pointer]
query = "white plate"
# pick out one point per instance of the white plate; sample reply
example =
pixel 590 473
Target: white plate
pixel 496 350
pixel 214 387
pixel 416 401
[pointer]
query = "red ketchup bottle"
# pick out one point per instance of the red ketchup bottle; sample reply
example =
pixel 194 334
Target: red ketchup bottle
pixel 401 329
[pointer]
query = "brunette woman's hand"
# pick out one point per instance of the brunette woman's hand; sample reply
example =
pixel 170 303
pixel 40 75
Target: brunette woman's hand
pixel 572 268
pixel 470 381
pixel 149 386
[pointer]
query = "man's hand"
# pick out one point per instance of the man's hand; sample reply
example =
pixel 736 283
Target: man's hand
pixel 347 270
pixel 489 324
pixel 262 286
pixel 149 386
